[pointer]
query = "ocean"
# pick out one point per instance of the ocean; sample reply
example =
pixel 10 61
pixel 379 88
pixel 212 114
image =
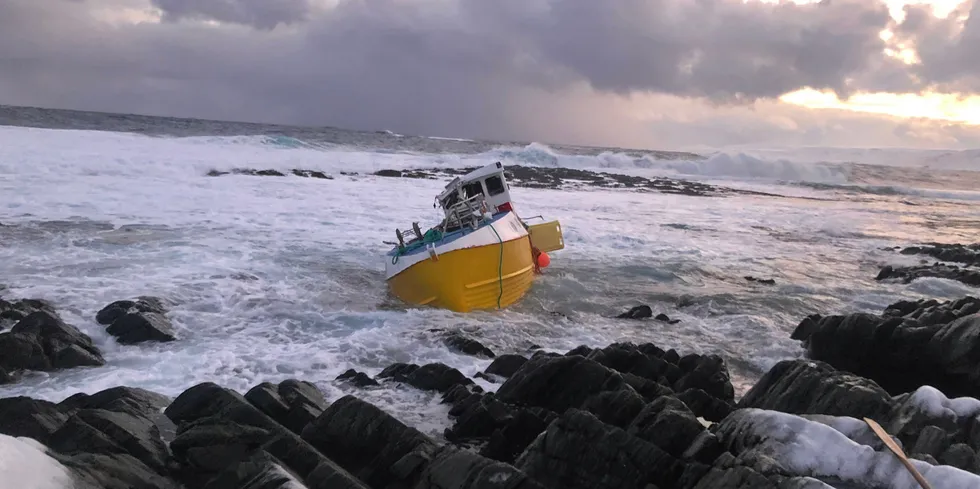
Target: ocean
pixel 282 277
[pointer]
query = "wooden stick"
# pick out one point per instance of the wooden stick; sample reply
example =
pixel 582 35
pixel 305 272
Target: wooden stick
pixel 898 452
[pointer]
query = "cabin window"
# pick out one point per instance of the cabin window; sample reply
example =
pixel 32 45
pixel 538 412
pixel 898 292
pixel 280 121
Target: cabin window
pixel 473 189
pixel 495 185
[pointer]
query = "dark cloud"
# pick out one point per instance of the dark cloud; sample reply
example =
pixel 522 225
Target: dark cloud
pixel 562 70
pixel 262 14
pixel 946 46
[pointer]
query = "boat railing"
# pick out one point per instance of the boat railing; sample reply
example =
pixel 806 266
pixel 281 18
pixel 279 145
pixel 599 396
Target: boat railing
pixel 465 212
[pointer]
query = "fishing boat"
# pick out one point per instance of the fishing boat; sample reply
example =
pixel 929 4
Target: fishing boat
pixel 481 256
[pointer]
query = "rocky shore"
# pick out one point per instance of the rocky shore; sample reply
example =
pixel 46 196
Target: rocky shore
pixel 536 177
pixel 616 416
pixel 956 262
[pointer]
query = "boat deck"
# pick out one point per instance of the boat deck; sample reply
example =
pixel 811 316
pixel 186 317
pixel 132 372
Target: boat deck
pixel 417 246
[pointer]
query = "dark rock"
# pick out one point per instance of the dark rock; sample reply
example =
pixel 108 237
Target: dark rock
pixel 452 468
pixel 764 281
pixel 131 400
pixel 110 313
pixel 579 451
pixel 12 312
pixel 961 456
pixel 113 471
pixel 710 374
pixel 506 428
pixel 617 408
pixel 952 272
pixel 958 253
pixel 912 344
pixel 813 387
pixel 211 447
pixel 666 319
pixel 43 341
pixel 138 327
pixel 932 441
pixel 667 423
pixel 430 377
pixel 360 379
pixel 628 358
pixel 558 383
pixel 36 419
pixel 366 441
pixel 109 432
pixel 467 346
pixel 705 406
pixel 638 312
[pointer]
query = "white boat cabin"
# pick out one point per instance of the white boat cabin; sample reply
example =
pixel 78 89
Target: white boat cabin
pixel 488 181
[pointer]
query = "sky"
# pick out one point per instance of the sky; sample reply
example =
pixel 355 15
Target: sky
pixel 666 74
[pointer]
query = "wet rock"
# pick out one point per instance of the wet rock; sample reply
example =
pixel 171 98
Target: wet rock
pixel 292 403
pixel 113 471
pixel 638 312
pixel 764 281
pixel 14 311
pixel 506 365
pixel 460 343
pixel 968 276
pixel 359 379
pixel 110 313
pixel 666 319
pixel 138 327
pixel 369 443
pixel 43 341
pixel 704 405
pixel 614 458
pixel 813 387
pixel 31 418
pixel 957 253
pixel 961 456
pixel 667 423
pixel 910 345
pixel 710 374
pixel 617 408
pixel 558 383
pixel 430 377
pixel 110 432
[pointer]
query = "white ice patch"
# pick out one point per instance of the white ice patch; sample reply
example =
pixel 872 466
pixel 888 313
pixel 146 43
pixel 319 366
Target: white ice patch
pixel 25 464
pixel 931 401
pixel 809 448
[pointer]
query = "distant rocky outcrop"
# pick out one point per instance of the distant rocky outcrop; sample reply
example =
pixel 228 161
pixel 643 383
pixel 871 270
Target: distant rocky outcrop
pixel 966 255
pixel 271 173
pixel 967 276
pixel 534 177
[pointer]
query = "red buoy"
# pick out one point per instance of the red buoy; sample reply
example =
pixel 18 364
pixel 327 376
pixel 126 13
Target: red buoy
pixel 544 260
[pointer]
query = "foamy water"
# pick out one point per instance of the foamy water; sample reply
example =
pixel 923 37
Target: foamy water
pixel 282 277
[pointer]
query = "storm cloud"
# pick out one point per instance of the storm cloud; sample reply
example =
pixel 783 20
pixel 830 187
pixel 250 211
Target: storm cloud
pixel 507 69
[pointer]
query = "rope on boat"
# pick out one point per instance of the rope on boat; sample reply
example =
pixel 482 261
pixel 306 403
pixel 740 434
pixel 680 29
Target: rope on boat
pixel 500 266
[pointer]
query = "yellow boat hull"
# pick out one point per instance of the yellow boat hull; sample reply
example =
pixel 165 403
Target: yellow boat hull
pixel 469 279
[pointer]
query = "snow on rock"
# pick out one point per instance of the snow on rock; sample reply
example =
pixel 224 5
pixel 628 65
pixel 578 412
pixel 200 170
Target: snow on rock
pixel 931 401
pixel 25 464
pixel 795 446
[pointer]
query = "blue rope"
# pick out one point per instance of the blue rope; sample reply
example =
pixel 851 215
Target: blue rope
pixel 500 267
